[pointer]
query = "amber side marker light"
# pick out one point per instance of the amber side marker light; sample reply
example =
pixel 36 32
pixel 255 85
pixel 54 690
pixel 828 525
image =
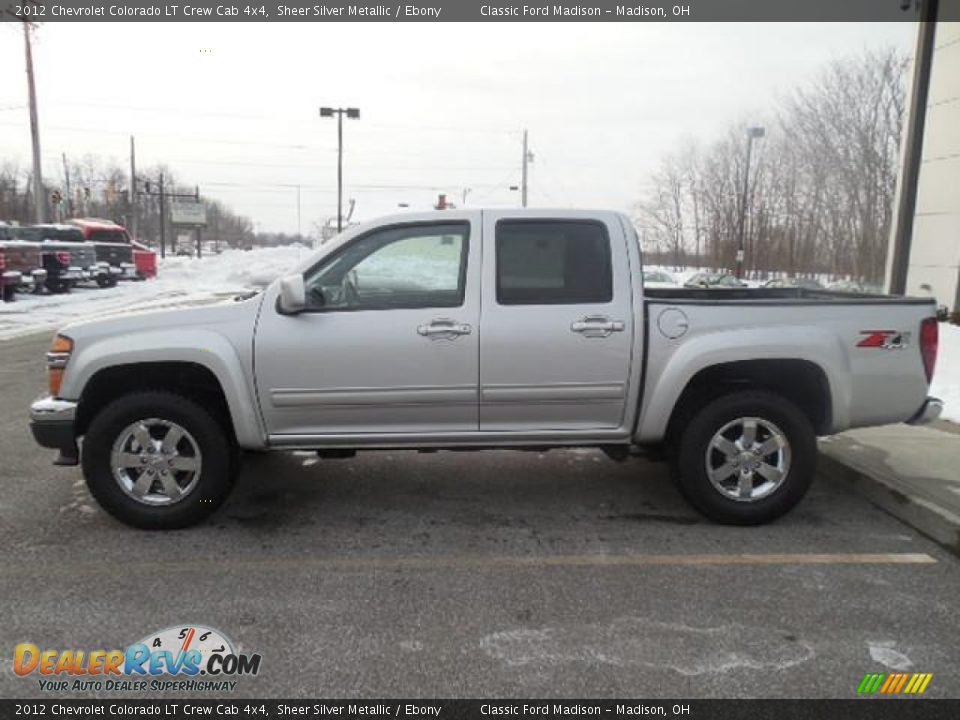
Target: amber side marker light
pixel 57 359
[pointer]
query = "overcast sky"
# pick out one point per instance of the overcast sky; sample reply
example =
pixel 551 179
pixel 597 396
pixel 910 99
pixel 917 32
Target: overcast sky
pixel 235 107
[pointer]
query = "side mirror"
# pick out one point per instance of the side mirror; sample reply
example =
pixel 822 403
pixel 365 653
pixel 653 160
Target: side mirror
pixel 293 296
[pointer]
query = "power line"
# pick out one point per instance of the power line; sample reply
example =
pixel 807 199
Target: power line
pixel 274 187
pixel 180 138
pixel 286 120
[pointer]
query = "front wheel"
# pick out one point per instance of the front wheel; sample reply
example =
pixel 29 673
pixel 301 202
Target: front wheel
pixel 747 458
pixel 156 460
pixel 106 281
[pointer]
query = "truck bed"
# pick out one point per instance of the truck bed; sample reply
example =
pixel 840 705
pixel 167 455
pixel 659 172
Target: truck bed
pixel 775 296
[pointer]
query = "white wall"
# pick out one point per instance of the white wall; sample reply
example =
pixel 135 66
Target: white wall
pixel 935 250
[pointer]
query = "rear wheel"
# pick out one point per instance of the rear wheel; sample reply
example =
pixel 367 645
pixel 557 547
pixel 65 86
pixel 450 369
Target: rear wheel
pixel 58 286
pixel 106 281
pixel 156 460
pixel 747 458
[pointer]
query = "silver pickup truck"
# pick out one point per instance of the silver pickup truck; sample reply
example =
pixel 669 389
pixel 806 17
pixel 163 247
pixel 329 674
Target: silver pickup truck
pixel 483 329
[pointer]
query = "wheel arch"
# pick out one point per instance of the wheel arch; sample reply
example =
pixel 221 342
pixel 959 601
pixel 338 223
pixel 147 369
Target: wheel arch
pixel 189 379
pixel 188 361
pixel 801 381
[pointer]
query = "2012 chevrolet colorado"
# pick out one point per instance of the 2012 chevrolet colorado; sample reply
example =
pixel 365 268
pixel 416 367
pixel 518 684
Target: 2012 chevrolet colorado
pixel 483 329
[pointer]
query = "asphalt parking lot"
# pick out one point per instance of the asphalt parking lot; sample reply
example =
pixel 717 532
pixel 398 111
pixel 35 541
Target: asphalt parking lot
pixel 494 574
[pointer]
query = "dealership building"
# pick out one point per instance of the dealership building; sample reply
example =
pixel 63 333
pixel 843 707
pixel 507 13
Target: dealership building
pixel 924 257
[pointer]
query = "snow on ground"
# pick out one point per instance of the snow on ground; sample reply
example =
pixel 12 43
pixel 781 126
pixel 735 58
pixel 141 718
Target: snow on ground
pixel 180 281
pixel 946 376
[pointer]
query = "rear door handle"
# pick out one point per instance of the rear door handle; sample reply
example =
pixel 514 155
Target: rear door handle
pixel 597 326
pixel 443 329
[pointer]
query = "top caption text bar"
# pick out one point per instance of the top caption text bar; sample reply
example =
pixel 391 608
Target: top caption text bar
pixel 471 10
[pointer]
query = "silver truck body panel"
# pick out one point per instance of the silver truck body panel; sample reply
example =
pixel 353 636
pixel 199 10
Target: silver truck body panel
pixel 537 373
pixel 370 371
pixel 217 337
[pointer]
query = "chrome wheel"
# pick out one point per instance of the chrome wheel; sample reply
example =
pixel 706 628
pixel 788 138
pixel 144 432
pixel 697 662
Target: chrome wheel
pixel 748 459
pixel 156 462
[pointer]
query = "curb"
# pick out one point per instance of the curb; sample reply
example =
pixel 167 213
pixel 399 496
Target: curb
pixel 937 523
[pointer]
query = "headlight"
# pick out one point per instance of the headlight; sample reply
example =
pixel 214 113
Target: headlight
pixel 57 359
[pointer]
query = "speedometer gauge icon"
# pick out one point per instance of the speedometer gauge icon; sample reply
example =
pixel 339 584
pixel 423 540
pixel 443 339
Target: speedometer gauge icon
pixel 183 638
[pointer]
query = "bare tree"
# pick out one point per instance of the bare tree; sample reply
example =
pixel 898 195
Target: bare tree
pixel 820 194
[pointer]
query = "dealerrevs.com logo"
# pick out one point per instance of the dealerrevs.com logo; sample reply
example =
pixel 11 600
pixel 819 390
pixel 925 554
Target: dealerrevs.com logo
pixel 183 657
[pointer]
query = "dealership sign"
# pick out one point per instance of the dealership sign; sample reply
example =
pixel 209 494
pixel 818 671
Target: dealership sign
pixel 188 212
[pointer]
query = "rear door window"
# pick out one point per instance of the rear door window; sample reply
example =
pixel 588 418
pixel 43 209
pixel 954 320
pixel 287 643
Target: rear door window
pixel 553 262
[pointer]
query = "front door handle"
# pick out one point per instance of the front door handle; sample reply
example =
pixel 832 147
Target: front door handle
pixel 443 329
pixel 597 326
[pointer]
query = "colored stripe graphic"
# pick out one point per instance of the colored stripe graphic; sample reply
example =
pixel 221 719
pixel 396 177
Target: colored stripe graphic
pixel 870 683
pixel 894 683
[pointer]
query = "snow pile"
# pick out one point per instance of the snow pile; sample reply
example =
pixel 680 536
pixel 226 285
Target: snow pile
pixel 946 376
pixel 180 281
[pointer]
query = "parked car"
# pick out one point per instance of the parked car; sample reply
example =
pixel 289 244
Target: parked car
pixel 117 247
pixel 21 266
pixel 714 280
pixel 854 286
pixel 793 282
pixel 658 278
pixel 378 341
pixel 67 258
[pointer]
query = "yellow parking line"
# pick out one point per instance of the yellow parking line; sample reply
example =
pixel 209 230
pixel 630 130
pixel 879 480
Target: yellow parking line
pixel 466 562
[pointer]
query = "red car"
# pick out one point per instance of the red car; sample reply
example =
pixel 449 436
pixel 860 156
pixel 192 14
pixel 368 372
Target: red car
pixel 105 231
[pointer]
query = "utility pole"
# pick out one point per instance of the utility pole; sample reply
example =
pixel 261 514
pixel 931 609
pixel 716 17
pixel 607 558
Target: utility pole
pixel 133 188
pixel 913 148
pixel 527 159
pixel 752 132
pixel 66 180
pixel 196 195
pixel 353 113
pixel 163 215
pixel 38 199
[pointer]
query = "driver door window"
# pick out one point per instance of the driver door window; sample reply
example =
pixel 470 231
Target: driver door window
pixel 412 266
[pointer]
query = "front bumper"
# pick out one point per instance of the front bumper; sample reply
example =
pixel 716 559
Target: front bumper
pixel 28 281
pixel 52 422
pixel 929 411
pixel 74 273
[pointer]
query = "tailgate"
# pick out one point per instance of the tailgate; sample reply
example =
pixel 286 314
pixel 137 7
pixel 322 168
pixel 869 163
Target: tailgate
pixel 113 253
pixel 22 257
pixel 81 254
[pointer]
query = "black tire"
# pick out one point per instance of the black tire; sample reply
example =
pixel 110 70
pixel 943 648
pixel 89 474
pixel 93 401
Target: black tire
pixel 696 437
pixel 9 293
pixel 218 466
pixel 58 286
pixel 106 281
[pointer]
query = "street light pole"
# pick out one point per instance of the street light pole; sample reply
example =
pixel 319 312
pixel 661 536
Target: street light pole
pixel 353 113
pixel 39 200
pixel 752 132
pixel 527 159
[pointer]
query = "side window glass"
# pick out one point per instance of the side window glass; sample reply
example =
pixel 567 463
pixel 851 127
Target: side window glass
pixel 414 266
pixel 553 262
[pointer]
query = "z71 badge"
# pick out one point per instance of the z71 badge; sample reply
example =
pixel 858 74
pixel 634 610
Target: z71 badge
pixel 885 339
